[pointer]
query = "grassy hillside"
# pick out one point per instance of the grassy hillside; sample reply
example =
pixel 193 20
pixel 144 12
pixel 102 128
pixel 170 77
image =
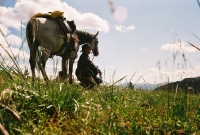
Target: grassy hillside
pixel 60 108
pixel 187 83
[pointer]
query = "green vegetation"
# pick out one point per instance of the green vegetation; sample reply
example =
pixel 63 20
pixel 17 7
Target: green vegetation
pixel 59 108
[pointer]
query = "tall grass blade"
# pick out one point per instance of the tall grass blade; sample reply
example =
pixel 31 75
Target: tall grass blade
pixel 13 58
pixel 198 3
pixel 194 46
pixel 3 131
pixel 120 80
pixel 137 80
pixel 132 76
pixel 14 114
pixel 194 35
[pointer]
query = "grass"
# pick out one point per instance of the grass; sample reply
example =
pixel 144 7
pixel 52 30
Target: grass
pixel 60 108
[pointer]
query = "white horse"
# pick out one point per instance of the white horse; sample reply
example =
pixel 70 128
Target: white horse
pixel 46 34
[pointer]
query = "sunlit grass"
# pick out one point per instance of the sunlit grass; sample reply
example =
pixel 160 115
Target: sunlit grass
pixel 63 108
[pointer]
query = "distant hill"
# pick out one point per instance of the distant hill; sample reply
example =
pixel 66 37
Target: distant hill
pixel 185 84
pixel 143 86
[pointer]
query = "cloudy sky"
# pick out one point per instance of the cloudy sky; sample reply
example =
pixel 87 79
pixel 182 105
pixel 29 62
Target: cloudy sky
pixel 145 37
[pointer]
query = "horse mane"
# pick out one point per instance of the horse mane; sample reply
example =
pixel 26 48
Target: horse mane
pixel 83 36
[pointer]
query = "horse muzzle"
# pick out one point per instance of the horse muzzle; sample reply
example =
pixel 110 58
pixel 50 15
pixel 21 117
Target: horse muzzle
pixel 96 53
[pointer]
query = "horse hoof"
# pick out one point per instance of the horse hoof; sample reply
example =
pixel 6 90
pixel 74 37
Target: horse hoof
pixel 70 81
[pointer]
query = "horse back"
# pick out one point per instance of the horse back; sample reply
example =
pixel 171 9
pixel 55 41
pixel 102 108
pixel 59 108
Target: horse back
pixel 46 32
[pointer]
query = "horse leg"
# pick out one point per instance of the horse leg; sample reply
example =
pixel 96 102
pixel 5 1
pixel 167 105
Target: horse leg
pixel 42 64
pixel 71 63
pixel 32 61
pixel 64 67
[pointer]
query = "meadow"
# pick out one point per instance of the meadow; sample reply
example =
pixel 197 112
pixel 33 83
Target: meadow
pixel 62 108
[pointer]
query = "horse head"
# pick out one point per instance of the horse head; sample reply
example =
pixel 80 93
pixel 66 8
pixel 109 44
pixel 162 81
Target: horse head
pixel 92 39
pixel 94 44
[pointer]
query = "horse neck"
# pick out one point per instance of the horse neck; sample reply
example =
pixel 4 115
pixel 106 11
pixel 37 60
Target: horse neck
pixel 84 37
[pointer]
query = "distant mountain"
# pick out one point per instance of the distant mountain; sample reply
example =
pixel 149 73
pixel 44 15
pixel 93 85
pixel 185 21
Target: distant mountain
pixel 143 86
pixel 187 83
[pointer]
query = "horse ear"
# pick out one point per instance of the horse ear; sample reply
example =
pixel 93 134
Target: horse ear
pixel 97 33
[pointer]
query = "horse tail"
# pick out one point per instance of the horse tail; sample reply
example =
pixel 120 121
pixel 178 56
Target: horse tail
pixel 31 37
pixel 31 29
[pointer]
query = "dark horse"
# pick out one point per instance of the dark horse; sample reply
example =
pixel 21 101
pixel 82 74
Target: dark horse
pixel 46 34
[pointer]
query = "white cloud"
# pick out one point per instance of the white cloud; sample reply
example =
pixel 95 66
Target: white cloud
pixel 122 28
pixel 154 75
pixel 178 47
pixel 11 39
pixel 16 52
pixel 4 29
pixel 92 22
pixel 144 50
pixel 14 40
pixel 2 40
pixel 176 72
pixel 24 9
pixel 154 70
pixel 197 67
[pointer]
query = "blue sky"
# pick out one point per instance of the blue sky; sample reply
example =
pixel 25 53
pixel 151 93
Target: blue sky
pixel 148 37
